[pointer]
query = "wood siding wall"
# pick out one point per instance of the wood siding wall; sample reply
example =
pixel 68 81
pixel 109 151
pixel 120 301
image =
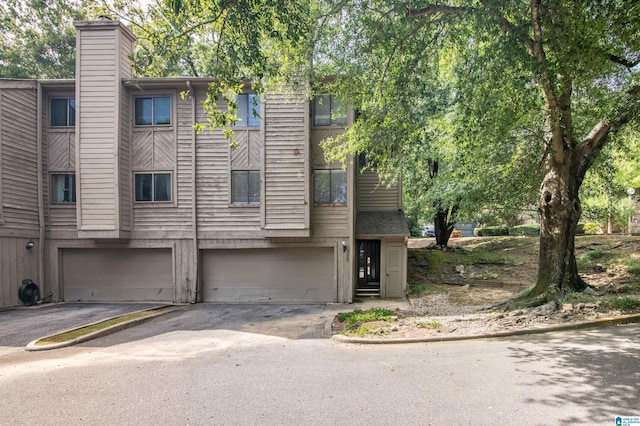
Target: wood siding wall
pixel 165 149
pixel 59 156
pixel 16 264
pixel 372 195
pixel 103 148
pixel 18 159
pixel 18 188
pixel 125 181
pixel 217 216
pixel 286 157
pixel 327 221
pixel 98 88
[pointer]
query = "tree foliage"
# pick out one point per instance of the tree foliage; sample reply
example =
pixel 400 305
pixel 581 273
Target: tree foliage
pixel 256 42
pixel 530 92
pixel 37 37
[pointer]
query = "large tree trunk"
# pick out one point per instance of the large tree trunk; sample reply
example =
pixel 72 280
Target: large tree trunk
pixel 560 211
pixel 441 228
pixel 443 225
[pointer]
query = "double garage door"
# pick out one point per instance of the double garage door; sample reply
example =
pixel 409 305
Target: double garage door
pixel 117 275
pixel 274 274
pixel 305 274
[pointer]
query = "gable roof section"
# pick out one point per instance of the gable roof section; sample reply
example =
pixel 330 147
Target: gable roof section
pixel 381 223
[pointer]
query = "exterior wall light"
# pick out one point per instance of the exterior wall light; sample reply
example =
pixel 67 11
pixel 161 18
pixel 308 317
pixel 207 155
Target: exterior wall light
pixel 344 246
pixel 30 245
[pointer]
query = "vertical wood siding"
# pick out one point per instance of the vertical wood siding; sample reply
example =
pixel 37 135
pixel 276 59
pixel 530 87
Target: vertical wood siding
pixel 327 221
pixel 372 195
pixel 286 171
pixel 59 155
pixel 124 147
pixel 18 159
pixel 216 215
pixel 16 264
pixel 166 149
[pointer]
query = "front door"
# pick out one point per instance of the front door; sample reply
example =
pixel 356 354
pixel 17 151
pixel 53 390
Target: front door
pixel 368 268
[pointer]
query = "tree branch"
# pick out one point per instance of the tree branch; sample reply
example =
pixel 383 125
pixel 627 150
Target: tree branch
pixel 595 140
pixel 624 61
pixel 437 9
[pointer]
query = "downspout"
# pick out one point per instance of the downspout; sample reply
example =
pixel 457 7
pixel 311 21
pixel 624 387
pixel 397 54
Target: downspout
pixel 194 201
pixel 41 223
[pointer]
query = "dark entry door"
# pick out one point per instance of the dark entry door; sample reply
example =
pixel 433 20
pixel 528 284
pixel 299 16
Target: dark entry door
pixel 368 268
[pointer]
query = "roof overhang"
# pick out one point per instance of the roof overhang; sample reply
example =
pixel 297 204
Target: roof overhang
pixel 381 224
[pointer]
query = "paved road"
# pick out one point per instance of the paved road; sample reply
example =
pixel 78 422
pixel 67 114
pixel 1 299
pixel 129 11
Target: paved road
pixel 165 373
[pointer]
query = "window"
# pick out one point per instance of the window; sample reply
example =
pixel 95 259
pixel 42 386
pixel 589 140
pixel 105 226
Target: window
pixel 63 188
pixel 152 110
pixel 329 186
pixel 63 112
pixel 245 186
pixel 248 110
pixel 153 187
pixel 328 111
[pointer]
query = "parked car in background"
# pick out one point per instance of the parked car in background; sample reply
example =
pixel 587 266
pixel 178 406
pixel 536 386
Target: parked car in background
pixel 429 231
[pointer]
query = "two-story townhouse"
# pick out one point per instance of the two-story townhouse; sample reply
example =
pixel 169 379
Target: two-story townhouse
pixel 125 201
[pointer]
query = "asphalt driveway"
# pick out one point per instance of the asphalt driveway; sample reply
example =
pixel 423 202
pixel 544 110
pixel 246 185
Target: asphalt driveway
pixel 291 321
pixel 20 326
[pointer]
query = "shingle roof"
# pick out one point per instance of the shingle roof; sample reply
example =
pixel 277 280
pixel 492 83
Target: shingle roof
pixel 382 223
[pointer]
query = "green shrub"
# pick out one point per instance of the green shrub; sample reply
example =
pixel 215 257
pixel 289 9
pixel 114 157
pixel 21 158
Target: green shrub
pixel 531 230
pixel 590 228
pixel 491 231
pixel 358 316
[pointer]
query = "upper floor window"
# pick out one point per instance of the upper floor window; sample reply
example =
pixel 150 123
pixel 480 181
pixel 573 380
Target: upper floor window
pixel 63 112
pixel 152 110
pixel 248 110
pixel 245 186
pixel 63 188
pixel 329 186
pixel 328 111
pixel 152 187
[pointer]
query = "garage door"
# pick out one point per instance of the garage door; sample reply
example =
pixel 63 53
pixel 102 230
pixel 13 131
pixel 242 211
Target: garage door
pixel 281 275
pixel 117 275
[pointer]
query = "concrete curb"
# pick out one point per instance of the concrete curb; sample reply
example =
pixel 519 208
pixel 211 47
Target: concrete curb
pixel 163 309
pixel 603 322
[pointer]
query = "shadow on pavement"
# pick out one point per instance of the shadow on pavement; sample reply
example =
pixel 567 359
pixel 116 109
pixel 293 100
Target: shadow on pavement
pixel 597 370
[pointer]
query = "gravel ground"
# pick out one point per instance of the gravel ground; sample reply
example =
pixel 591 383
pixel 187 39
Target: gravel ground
pixel 435 315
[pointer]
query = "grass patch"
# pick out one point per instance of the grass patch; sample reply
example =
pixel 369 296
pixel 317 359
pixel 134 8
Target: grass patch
pixel 358 316
pixel 579 298
pixel 82 331
pixel 633 265
pixel 429 324
pixel 367 329
pixel 629 288
pixel 484 256
pixel 418 290
pixel 624 303
pixel 437 260
pixel 594 255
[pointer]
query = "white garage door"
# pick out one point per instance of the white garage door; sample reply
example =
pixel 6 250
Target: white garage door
pixel 117 275
pixel 276 274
